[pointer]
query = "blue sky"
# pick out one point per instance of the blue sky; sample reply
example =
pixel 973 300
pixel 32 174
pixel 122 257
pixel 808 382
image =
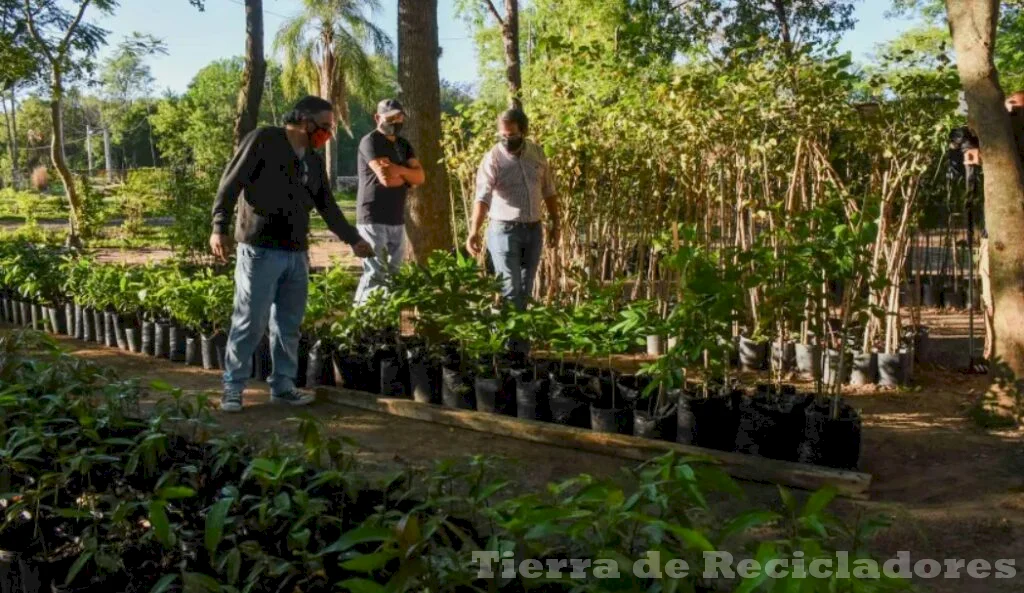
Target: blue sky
pixel 196 38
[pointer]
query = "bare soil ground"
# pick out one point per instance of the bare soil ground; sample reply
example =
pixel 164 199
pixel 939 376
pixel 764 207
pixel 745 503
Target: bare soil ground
pixel 325 251
pixel 953 490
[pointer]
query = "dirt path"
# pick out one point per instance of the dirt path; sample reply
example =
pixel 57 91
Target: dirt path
pixel 953 490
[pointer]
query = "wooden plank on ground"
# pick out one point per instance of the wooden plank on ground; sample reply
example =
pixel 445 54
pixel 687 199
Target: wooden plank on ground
pixel 748 467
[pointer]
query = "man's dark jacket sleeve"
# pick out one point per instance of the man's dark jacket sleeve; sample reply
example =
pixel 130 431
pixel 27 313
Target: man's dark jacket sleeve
pixel 331 213
pixel 237 175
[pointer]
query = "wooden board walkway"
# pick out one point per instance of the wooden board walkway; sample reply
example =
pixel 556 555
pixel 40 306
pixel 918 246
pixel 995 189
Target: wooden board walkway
pixel 748 467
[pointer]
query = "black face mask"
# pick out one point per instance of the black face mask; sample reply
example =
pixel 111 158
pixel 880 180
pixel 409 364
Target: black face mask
pixel 390 128
pixel 512 143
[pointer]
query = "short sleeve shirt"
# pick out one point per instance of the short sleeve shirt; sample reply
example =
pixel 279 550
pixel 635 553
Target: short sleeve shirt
pixel 515 186
pixel 375 203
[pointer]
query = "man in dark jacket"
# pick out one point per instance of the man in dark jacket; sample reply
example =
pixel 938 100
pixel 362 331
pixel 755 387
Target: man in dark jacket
pixel 280 179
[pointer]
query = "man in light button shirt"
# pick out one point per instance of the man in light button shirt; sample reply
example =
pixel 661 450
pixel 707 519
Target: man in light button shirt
pixel 513 185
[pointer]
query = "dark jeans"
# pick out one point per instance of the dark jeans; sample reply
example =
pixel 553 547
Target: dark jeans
pixel 515 249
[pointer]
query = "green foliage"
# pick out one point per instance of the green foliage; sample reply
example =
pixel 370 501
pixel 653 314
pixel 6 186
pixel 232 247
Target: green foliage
pixel 192 198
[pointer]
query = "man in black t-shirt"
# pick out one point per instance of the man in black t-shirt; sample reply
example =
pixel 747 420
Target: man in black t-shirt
pixel 387 169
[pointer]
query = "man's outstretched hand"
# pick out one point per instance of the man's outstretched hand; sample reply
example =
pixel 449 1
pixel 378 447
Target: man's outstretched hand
pixel 362 250
pixel 220 245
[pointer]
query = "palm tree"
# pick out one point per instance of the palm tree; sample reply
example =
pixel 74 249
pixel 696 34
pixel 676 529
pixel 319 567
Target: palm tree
pixel 326 50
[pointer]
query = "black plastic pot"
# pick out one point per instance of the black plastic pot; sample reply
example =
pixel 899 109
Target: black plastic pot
pixel 263 364
pixel 783 356
pixel 808 360
pixel 193 354
pixel 58 320
pixel 177 344
pixel 771 426
pixel 220 349
pixel 99 324
pixel 88 327
pixel 392 383
pixel 568 400
pixel 611 420
pixel 569 411
pixel 69 320
pixel 930 295
pixel 132 334
pixel 753 354
pixel 456 390
pixel 423 376
pixel 890 370
pixel 162 340
pixel 208 352
pixel 492 396
pixel 865 368
pixel 357 370
pixel 631 387
pixel 686 422
pixel 531 395
pixel 648 426
pixel 319 370
pixel 80 323
pixel 110 329
pixel 831 442
pixel 831 368
pixel 148 337
pixel 120 334
pixel 37 317
pixel 716 419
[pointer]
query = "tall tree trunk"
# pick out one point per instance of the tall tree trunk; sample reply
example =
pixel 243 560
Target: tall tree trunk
pixel 14 138
pixel 513 67
pixel 57 156
pixel 973 27
pixel 108 157
pixel 11 141
pixel 509 23
pixel 429 224
pixel 253 75
pixel 327 82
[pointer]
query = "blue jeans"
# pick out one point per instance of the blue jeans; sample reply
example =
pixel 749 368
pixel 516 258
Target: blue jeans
pixel 515 251
pixel 271 286
pixel 388 242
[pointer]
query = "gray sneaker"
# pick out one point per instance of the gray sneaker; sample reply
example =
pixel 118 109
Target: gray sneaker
pixel 293 398
pixel 231 401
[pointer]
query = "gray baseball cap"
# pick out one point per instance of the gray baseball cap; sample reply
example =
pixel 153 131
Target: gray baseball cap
pixel 389 107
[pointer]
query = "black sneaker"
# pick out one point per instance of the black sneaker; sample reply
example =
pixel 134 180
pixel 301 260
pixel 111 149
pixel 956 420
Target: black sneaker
pixel 293 398
pixel 231 402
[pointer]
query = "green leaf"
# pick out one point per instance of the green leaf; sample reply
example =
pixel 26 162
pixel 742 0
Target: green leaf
pixel 748 520
pixel 175 493
pixel 164 583
pixel 77 567
pixel 368 562
pixel 158 519
pixel 357 536
pixel 195 581
pixel 361 586
pixel 819 500
pixel 215 520
pixel 693 538
pixel 787 499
